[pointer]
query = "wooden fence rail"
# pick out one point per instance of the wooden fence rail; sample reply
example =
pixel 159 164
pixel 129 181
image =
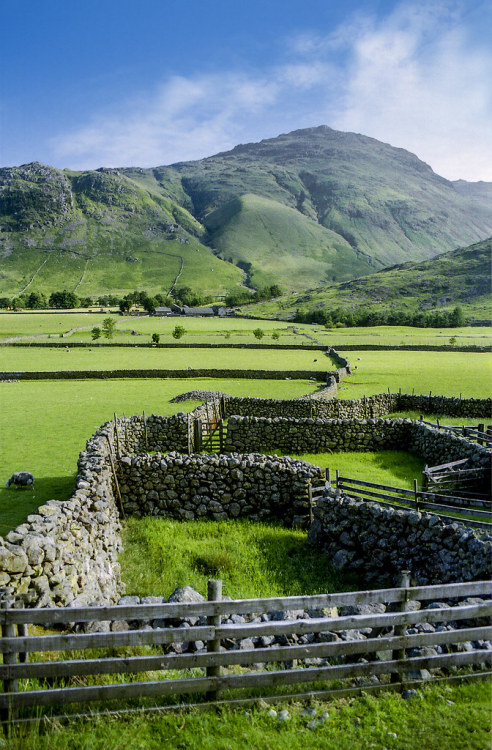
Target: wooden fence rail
pixel 438 503
pixel 479 433
pixel 53 677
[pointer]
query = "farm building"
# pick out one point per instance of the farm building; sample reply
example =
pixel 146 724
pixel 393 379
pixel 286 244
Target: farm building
pixel 162 311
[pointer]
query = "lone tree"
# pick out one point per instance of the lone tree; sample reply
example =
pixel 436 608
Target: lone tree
pixel 178 332
pixel 108 327
pixel 258 333
pixel 155 338
pixel 275 335
pixel 96 333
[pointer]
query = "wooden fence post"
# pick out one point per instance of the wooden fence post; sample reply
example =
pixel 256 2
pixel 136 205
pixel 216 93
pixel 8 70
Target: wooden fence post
pixel 310 501
pixel 197 435
pixel 399 653
pixel 145 431
pixel 116 436
pixel 9 657
pixel 214 590
pixel 416 494
pixel 115 478
pixel 337 474
pixel 481 428
pixel 328 477
pixel 221 436
pixel 425 479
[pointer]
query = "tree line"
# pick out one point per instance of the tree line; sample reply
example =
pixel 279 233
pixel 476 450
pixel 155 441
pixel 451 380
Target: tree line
pixel 341 318
pixel 184 295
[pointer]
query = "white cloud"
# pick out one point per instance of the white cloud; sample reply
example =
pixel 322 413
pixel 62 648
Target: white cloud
pixel 419 83
pixel 414 79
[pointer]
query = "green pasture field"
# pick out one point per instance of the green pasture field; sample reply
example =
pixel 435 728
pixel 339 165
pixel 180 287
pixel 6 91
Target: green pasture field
pixel 130 358
pixel 390 467
pixel 404 335
pixel 252 559
pixel 33 325
pixel 44 425
pixel 443 373
pixel 439 716
pixel 461 421
pixel 40 325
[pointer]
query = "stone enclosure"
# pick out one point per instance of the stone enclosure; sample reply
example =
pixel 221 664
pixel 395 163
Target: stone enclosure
pixel 66 553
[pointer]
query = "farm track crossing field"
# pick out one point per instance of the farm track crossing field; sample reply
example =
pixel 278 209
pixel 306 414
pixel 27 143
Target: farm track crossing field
pixel 443 373
pixel 130 358
pixel 39 325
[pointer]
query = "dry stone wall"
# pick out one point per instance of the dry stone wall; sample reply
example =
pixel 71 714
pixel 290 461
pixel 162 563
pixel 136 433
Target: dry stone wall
pixel 312 435
pixel 139 434
pixel 315 435
pixel 378 542
pixel 324 404
pixel 66 553
pixel 186 487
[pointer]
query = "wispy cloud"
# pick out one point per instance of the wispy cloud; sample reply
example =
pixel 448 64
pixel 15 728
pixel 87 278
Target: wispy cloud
pixel 418 81
pixel 414 79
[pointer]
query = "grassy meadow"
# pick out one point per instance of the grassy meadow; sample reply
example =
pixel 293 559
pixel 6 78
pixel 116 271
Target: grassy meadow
pixel 44 425
pixel 77 325
pixel 443 373
pixel 456 716
pixel 396 468
pixel 129 358
pixel 252 559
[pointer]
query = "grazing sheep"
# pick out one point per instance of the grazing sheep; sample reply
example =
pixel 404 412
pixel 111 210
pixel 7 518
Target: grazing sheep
pixel 21 479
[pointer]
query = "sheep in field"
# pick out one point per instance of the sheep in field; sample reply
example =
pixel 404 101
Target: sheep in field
pixel 21 479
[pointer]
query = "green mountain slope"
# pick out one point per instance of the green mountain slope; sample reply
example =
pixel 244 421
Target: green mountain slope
pixel 309 207
pixel 99 231
pixel 460 276
pixel 385 202
pixel 271 241
pixel 478 192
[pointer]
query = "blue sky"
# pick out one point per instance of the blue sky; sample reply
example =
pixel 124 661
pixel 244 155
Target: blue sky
pixel 89 83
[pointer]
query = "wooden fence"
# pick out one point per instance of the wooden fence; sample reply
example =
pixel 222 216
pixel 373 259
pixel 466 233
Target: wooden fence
pixel 396 497
pixel 53 670
pixel 457 478
pixel 479 433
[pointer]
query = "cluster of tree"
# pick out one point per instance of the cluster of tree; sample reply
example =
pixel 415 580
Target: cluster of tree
pixel 340 317
pixel 184 295
pixel 244 297
pixel 39 301
pixel 107 329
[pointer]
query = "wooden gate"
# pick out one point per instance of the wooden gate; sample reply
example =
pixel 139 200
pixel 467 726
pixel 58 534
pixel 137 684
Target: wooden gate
pixel 457 478
pixel 213 436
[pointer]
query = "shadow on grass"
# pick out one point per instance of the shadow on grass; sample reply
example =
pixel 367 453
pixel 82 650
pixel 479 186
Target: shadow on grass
pixel 297 568
pixel 16 503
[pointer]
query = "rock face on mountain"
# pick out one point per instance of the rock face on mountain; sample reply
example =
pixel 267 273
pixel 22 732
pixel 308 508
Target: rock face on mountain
pixel 34 195
pixel 309 207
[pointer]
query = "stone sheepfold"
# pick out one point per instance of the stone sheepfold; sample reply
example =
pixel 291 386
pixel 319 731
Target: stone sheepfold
pixel 66 553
